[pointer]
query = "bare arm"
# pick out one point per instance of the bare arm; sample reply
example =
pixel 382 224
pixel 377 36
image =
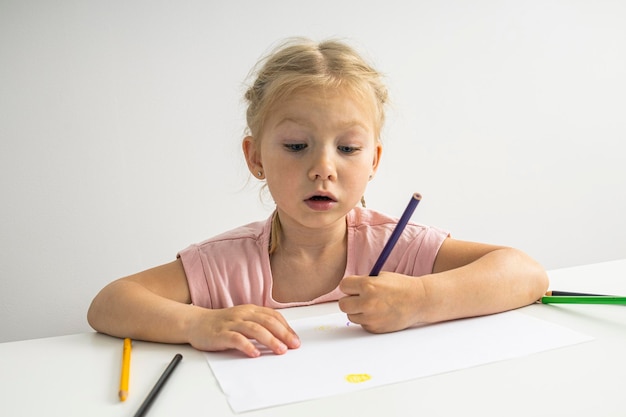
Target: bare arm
pixel 155 305
pixel 468 279
pixel 471 279
pixel 151 305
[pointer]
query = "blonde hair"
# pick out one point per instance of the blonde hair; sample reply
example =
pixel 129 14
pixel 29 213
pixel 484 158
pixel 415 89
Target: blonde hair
pixel 300 64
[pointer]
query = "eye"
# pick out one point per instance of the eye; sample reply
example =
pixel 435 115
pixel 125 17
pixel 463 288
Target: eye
pixel 348 149
pixel 295 147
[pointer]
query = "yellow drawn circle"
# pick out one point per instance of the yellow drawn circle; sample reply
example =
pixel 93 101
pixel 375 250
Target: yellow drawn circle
pixel 358 378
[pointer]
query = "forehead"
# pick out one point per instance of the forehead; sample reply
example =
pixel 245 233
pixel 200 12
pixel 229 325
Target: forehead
pixel 342 108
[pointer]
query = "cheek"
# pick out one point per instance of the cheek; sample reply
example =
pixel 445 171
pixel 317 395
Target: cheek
pixel 281 180
pixel 281 169
pixel 360 173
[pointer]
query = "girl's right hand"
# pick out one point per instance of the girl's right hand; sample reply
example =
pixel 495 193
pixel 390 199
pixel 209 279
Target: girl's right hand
pixel 237 327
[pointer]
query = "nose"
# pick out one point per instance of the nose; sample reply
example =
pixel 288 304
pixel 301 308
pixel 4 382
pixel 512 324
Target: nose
pixel 323 166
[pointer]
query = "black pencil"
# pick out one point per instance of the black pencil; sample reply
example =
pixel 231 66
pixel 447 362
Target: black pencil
pixel 147 403
pixel 572 294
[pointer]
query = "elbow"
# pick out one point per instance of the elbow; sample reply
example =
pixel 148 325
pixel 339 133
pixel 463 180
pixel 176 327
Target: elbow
pixel 98 314
pixel 541 283
pixel 528 280
pixel 535 277
pixel 92 315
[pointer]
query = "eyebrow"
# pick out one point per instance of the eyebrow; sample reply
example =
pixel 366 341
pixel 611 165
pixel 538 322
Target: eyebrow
pixel 343 125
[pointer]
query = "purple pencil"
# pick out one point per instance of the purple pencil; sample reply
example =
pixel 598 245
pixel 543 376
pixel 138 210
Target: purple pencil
pixel 395 235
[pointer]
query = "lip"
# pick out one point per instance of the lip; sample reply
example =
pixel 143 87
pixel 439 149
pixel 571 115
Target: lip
pixel 326 194
pixel 320 204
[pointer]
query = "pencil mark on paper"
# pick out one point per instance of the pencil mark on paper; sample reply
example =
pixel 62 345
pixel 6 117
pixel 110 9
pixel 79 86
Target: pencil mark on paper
pixel 358 378
pixel 326 328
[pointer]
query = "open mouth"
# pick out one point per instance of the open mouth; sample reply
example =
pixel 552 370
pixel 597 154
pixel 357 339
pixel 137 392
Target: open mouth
pixel 320 202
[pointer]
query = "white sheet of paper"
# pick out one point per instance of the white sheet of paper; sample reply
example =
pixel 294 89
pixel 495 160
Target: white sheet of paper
pixel 337 356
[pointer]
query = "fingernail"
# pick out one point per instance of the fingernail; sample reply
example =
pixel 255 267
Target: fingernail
pixel 295 342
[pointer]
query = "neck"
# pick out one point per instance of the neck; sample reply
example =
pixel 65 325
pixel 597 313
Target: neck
pixel 296 239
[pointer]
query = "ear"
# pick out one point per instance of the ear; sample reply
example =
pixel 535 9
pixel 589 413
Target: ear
pixel 253 156
pixel 378 151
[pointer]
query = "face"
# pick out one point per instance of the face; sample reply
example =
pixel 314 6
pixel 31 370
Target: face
pixel 317 153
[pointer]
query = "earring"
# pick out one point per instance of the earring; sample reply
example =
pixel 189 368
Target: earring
pixel 260 174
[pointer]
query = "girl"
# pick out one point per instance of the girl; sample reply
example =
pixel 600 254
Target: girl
pixel 315 113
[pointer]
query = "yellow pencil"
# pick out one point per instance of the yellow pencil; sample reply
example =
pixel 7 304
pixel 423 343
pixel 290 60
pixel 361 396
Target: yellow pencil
pixel 125 370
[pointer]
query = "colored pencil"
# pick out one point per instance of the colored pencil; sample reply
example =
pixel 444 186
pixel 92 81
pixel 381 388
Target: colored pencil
pixel 157 387
pixel 606 299
pixel 125 376
pixel 395 235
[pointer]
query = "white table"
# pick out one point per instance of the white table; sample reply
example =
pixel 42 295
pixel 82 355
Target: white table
pixel 78 375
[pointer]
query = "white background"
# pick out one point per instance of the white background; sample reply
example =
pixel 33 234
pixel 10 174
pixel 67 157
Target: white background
pixel 121 122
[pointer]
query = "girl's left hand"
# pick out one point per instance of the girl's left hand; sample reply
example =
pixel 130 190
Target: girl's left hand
pixel 385 303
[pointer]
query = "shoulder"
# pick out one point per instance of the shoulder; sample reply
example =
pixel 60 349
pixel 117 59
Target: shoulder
pixel 359 217
pixel 414 252
pixel 249 235
pixel 252 231
pixel 373 226
pixel 218 269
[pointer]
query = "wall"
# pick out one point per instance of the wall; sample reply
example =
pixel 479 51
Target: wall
pixel 120 128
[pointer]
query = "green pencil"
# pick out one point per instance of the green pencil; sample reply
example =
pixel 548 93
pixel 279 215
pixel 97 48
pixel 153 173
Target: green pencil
pixel 601 299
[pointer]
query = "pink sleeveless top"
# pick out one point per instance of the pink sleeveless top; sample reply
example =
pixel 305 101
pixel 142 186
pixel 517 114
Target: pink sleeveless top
pixel 233 268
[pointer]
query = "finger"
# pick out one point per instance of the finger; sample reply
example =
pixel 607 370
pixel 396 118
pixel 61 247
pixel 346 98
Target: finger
pixel 368 323
pixel 350 304
pixel 269 319
pixel 285 332
pixel 350 285
pixel 240 342
pixel 279 327
pixel 356 318
pixel 225 340
pixel 269 328
pixel 263 336
pixel 237 327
